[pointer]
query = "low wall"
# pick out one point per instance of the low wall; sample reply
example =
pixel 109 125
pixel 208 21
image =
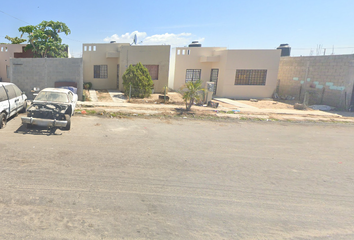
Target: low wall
pixel 29 73
pixel 329 79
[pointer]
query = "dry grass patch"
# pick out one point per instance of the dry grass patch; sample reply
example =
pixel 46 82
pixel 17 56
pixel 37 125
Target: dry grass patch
pixel 174 98
pixel 103 96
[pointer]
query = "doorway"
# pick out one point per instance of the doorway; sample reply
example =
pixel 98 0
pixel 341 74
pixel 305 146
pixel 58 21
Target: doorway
pixel 214 74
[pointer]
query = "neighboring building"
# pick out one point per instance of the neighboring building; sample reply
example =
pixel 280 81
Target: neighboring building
pixel 328 79
pixel 105 63
pixel 238 74
pixel 8 51
pixel 40 73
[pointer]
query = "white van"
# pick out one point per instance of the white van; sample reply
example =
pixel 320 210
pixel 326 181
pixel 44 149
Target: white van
pixel 12 101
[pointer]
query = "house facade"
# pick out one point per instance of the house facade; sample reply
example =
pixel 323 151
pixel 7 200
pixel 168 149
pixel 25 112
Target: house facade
pixel 105 63
pixel 8 51
pixel 238 74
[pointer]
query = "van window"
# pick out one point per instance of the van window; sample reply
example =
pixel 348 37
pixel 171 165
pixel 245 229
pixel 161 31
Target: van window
pixel 10 91
pixel 3 95
pixel 17 90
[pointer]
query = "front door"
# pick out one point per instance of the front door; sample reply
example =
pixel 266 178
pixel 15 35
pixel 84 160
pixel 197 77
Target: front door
pixel 214 78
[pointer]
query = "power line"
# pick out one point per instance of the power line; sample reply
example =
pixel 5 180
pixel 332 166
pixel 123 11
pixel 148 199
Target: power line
pixel 72 39
pixel 14 17
pixel 322 46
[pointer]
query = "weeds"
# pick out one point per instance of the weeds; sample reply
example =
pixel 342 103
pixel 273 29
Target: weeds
pixel 182 115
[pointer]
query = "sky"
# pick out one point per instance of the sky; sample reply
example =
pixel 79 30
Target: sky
pixel 311 27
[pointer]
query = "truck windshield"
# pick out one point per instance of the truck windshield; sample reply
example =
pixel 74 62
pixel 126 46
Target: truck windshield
pixel 52 97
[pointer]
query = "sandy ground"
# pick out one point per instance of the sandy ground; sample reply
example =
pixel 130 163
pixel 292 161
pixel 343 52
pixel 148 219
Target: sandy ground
pixel 283 110
pixel 174 98
pixel 103 96
pixel 270 104
pixel 168 179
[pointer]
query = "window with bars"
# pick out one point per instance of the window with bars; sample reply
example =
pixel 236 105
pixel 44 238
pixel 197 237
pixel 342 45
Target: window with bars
pixel 153 70
pixel 193 75
pixel 100 71
pixel 250 77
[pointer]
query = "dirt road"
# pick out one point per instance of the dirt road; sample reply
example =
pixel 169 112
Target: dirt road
pixel 163 179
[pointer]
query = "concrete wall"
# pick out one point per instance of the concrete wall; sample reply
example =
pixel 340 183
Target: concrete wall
pixel 123 54
pixel 228 61
pixel 7 51
pixel 329 79
pixel 28 73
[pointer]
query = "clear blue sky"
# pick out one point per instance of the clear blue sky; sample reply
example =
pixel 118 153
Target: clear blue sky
pixel 235 24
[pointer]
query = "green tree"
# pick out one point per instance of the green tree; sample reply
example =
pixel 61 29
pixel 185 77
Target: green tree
pixel 138 77
pixel 15 40
pixel 44 40
pixel 192 91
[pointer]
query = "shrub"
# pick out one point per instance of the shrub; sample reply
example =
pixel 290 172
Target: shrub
pixel 87 85
pixel 138 77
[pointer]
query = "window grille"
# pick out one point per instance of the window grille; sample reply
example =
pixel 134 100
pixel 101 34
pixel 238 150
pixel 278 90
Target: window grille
pixel 250 77
pixel 193 75
pixel 100 71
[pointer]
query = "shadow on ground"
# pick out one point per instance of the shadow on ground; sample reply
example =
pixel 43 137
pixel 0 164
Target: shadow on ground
pixel 120 96
pixel 37 130
pixel 343 114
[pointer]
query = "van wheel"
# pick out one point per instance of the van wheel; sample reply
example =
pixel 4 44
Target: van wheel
pixel 24 109
pixel 2 120
pixel 68 119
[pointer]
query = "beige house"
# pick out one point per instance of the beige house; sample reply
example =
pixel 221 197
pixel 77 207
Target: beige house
pixel 238 74
pixel 105 63
pixel 8 51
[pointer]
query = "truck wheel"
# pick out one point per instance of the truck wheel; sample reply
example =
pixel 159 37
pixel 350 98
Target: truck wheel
pixel 68 119
pixel 2 120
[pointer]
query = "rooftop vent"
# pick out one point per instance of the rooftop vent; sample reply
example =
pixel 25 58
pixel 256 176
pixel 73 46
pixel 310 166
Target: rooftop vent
pixel 285 50
pixel 195 44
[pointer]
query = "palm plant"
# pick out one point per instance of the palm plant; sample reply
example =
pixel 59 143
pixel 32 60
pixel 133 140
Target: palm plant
pixel 192 91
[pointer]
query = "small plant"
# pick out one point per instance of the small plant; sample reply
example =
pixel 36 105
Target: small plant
pixel 192 91
pixel 87 85
pixel 165 90
pixel 91 112
pixel 86 96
